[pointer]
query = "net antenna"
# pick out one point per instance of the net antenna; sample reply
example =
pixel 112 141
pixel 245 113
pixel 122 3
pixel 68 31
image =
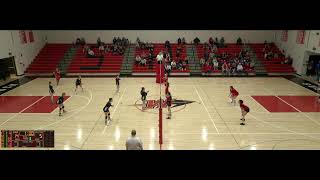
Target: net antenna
pixel 160 104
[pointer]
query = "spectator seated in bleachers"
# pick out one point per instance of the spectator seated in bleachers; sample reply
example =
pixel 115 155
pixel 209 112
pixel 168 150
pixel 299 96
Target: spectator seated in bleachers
pixel 239 68
pixel 78 42
pixel 215 64
pixel 143 62
pixel 196 41
pixel 167 44
pixel 183 41
pixel 138 60
pixel 184 65
pixel 202 61
pixel 173 64
pixel 85 49
pixel 222 45
pixel 90 54
pixel 179 41
pixel 99 43
pixel 101 49
pixel 82 41
pixel 239 41
pixel 216 42
pixel 288 60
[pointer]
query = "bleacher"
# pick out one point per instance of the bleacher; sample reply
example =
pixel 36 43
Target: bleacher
pixel 47 59
pixel 232 49
pixel 108 64
pixel 138 69
pixel 273 65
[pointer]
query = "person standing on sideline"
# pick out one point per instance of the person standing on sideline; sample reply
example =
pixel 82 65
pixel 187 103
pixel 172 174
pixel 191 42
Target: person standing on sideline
pixel 118 83
pixel 169 103
pixel 51 92
pixel 133 142
pixel 57 75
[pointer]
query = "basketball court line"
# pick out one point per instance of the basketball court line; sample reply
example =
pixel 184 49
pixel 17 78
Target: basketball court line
pixel 293 107
pixel 105 128
pixel 205 107
pixel 279 127
pixel 15 115
pixel 80 109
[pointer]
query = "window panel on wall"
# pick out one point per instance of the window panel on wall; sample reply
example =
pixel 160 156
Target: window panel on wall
pixel 284 35
pixel 23 36
pixel 31 38
pixel 301 36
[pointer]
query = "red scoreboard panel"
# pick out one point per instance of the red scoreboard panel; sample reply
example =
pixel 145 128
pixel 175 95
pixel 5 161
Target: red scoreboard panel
pixel 28 138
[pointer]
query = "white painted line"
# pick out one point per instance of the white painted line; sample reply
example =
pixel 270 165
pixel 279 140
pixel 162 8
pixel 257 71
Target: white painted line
pixel 299 111
pixel 22 111
pixel 205 107
pixel 105 128
pixel 294 108
pixel 286 129
pixel 80 109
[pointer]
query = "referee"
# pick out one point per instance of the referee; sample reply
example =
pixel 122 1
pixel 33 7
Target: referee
pixel 133 142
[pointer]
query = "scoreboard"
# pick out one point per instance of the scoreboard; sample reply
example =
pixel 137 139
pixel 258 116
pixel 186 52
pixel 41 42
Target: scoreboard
pixel 28 138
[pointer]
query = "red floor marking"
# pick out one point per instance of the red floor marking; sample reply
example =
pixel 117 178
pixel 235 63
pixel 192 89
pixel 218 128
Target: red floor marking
pixel 273 104
pixel 44 105
pixel 303 103
pixel 15 104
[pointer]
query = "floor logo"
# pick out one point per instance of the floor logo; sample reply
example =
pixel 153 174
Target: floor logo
pixel 177 104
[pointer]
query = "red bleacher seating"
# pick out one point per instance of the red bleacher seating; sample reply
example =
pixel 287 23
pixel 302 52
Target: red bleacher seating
pixel 48 58
pixel 273 65
pixel 157 48
pixel 111 63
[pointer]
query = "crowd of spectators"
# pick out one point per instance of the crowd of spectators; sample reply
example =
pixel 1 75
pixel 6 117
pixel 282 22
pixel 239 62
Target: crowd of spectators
pixel 228 64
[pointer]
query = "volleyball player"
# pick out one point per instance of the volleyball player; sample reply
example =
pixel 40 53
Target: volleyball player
pixel 106 110
pixel 57 75
pixel 78 83
pixel 169 103
pixel 144 94
pixel 118 83
pixel 167 87
pixel 244 111
pixel 60 103
pixel 233 95
pixel 51 92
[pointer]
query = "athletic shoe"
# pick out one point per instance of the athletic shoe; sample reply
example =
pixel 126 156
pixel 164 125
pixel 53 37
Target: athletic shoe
pixel 242 124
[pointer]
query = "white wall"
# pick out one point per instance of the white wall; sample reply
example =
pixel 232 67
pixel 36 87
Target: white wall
pixel 67 36
pixel 23 53
pixel 299 52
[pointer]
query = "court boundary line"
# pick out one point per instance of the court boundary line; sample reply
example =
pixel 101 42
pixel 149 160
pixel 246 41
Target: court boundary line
pixel 298 110
pixel 68 117
pixel 293 107
pixel 20 112
pixel 206 109
pixel 105 128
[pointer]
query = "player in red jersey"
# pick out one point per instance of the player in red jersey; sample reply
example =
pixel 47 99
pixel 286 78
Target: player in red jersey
pixel 167 87
pixel 57 75
pixel 165 78
pixel 233 95
pixel 244 111
pixel 169 103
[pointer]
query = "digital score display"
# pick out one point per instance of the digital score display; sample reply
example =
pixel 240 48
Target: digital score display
pixel 28 138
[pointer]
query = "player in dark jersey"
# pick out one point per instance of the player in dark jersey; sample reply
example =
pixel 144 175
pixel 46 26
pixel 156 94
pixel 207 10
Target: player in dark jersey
pixel 144 94
pixel 106 110
pixel 118 83
pixel 78 83
pixel 51 92
pixel 233 95
pixel 60 104
pixel 169 103
pixel 244 111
